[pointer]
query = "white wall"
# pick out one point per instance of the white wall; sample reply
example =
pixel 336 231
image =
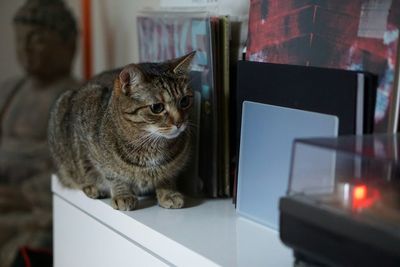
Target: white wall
pixel 114 31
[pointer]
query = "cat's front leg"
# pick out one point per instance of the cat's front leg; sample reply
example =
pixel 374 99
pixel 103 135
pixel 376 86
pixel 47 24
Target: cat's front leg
pixel 168 197
pixel 122 196
pixel 93 191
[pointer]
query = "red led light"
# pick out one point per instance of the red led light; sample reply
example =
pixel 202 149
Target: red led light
pixel 359 192
pixel 364 197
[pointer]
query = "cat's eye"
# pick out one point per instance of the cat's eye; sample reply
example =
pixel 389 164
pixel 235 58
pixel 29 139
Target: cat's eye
pixel 185 102
pixel 157 108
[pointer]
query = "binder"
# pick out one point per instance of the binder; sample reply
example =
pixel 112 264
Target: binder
pixel 349 95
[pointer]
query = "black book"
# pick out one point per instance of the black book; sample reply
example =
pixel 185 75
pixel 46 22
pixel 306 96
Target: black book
pixel 349 95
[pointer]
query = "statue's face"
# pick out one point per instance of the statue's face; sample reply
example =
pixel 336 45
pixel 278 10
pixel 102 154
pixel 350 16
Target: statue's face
pixel 42 52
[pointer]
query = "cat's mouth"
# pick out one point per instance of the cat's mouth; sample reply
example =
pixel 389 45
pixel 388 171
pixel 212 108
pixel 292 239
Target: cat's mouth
pixel 174 132
pixel 168 133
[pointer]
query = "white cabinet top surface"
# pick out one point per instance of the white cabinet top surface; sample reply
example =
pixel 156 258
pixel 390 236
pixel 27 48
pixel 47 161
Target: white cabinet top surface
pixel 206 233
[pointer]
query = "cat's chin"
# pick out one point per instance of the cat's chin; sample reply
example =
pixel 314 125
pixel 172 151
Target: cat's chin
pixel 175 133
pixel 169 136
pixel 172 136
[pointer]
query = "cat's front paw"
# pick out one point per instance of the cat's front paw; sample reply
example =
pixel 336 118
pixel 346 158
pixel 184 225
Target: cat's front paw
pixel 124 202
pixel 93 192
pixel 171 200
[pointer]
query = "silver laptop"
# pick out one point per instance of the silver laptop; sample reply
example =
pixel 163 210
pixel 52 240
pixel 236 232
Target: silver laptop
pixel 266 139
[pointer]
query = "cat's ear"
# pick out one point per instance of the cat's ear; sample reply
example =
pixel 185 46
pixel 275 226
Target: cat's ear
pixel 129 78
pixel 181 66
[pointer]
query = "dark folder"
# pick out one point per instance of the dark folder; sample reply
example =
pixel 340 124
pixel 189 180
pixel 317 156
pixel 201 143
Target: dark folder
pixel 349 95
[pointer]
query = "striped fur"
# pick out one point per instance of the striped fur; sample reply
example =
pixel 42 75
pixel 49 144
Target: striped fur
pixel 106 138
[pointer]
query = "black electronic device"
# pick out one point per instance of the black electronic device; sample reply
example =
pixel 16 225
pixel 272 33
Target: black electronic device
pixel 343 201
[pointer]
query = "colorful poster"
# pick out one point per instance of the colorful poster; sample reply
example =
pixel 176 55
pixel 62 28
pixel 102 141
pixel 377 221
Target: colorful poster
pixel 355 35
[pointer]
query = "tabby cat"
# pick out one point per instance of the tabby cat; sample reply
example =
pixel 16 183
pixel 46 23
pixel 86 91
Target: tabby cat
pixel 125 133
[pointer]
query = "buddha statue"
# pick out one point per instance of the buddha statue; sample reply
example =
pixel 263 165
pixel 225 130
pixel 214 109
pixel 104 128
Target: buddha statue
pixel 46 33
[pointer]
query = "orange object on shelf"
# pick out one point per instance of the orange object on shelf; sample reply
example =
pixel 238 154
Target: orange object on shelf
pixel 87 39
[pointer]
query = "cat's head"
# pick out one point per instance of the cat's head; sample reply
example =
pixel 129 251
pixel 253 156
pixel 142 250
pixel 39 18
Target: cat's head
pixel 156 97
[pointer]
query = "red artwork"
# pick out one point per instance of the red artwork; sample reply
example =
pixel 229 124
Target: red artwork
pixel 356 35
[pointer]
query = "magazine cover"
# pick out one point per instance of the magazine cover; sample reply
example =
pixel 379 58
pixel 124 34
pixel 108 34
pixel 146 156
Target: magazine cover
pixel 355 35
pixel 167 35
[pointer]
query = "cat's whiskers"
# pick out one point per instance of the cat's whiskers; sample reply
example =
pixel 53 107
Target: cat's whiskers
pixel 143 141
pixel 131 152
pixel 190 132
pixel 137 144
pixel 151 139
pixel 192 125
pixel 191 128
pixel 157 139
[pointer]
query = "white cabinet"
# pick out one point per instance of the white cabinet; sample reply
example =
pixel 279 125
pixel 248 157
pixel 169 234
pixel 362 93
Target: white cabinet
pixel 81 240
pixel 90 232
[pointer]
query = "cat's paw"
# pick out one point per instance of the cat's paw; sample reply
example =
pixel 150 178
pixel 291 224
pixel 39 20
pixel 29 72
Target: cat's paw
pixel 124 202
pixel 171 200
pixel 93 192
